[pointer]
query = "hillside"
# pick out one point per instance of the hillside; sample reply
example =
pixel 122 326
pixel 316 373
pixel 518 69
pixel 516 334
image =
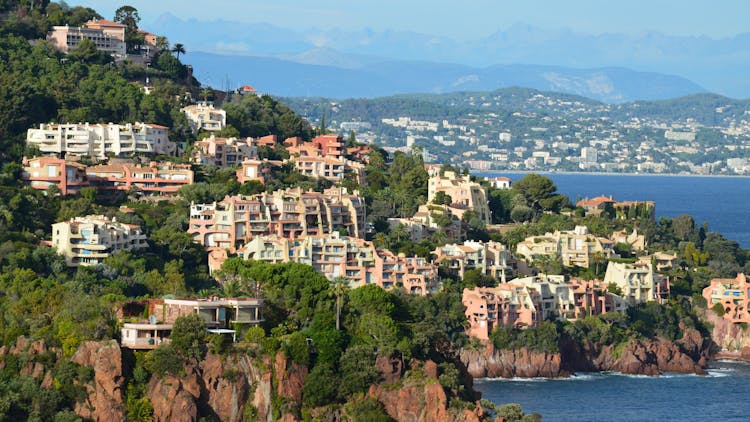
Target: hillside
pixel 284 77
pixel 527 129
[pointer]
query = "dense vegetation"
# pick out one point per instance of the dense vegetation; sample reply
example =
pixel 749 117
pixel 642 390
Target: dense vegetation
pixel 42 299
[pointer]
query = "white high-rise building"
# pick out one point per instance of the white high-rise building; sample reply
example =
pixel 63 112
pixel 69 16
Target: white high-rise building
pixel 101 140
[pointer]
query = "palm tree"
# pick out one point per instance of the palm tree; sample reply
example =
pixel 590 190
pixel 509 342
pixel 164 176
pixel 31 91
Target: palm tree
pixel 178 49
pixel 339 287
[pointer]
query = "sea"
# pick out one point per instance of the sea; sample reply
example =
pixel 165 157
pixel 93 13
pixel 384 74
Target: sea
pixel 610 397
pixel 721 201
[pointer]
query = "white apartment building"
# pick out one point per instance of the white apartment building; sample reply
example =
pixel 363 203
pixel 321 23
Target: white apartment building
pixel 89 240
pixel 205 117
pixel 101 140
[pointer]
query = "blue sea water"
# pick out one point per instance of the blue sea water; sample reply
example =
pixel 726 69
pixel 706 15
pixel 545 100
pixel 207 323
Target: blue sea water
pixel 719 396
pixel 722 202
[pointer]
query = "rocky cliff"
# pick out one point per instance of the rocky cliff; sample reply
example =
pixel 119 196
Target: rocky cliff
pixel 232 388
pixel 689 354
pixel 420 397
pixel 729 337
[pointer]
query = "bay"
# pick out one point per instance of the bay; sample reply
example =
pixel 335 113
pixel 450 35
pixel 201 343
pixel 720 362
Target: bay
pixel 723 202
pixel 719 396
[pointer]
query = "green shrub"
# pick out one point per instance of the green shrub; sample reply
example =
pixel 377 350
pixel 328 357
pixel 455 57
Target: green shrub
pixel 719 309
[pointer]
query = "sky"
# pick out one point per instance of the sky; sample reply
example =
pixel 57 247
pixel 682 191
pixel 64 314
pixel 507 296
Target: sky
pixel 461 19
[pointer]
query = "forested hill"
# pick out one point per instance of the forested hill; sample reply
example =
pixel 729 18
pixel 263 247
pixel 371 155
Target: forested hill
pixel 706 109
pixel 39 84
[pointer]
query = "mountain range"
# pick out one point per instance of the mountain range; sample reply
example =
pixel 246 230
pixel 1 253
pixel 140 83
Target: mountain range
pixel 608 67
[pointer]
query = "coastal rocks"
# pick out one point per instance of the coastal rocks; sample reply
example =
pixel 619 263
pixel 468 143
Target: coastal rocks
pixel 104 401
pixel 728 336
pixel 493 363
pixel 688 355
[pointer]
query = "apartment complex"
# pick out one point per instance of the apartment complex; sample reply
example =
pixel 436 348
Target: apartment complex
pixel 154 178
pixel 576 247
pixel 101 140
pixel 255 170
pixel 290 214
pixel 323 157
pixel 425 222
pixel 205 117
pixel 224 152
pixel 637 281
pixel 222 316
pixel 490 258
pixel 108 36
pixel 527 301
pixel 122 175
pixel 734 296
pixel 464 194
pixel 89 240
pixel 43 172
pixel 353 258
pixel 506 304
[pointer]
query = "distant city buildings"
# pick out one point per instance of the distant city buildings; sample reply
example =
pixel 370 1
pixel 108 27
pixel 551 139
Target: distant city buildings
pixel 91 239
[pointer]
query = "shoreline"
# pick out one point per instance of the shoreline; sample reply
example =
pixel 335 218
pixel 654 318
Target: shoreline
pixel 733 356
pixel 603 173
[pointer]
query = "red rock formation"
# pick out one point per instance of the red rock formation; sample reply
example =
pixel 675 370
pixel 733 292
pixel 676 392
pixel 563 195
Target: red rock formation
pixel 290 378
pixel 171 399
pixel 104 402
pixel 687 355
pixel 524 363
pixel 420 400
pixel 225 386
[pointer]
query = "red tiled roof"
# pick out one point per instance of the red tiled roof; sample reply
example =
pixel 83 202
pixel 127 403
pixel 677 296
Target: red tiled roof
pixel 104 22
pixel 595 202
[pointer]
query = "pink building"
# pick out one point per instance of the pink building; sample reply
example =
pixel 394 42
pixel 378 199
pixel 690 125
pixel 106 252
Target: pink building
pixel 43 172
pixel 733 295
pixel 329 145
pixel 507 304
pixel 107 36
pixel 290 214
pixel 156 178
pixel 224 152
pixel 354 259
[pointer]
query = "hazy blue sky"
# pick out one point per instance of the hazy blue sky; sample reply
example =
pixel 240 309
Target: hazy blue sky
pixel 462 19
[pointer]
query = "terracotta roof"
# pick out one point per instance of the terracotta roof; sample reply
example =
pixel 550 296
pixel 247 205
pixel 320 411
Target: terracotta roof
pixel 104 22
pixel 595 202
pixel 155 126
